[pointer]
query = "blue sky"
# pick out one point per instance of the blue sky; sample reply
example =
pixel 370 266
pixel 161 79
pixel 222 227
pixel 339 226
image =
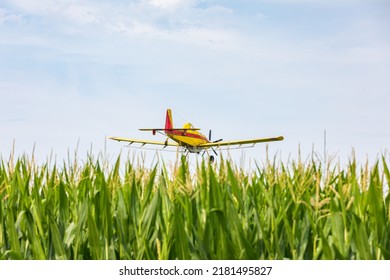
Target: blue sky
pixel 78 71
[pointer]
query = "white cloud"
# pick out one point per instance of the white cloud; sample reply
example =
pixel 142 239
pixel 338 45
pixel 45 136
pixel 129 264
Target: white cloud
pixel 42 7
pixel 7 17
pixel 327 2
pixel 82 14
pixel 171 4
pixel 169 20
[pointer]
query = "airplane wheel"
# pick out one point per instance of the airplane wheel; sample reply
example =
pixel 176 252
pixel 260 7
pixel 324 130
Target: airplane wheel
pixel 211 159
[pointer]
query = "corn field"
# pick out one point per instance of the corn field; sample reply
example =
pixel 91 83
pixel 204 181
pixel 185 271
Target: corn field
pixel 298 210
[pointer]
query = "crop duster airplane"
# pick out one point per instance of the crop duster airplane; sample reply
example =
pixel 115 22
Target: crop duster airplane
pixel 189 139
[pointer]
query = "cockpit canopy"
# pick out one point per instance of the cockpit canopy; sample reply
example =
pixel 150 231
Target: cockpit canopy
pixel 188 126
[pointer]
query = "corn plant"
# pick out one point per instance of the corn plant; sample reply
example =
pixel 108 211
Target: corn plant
pixel 217 211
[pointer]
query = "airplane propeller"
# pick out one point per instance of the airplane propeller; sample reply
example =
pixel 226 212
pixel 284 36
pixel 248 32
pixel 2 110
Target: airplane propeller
pixel 216 141
pixel 219 140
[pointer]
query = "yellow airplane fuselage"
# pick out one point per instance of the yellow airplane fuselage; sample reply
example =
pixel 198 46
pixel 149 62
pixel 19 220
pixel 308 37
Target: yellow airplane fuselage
pixel 187 137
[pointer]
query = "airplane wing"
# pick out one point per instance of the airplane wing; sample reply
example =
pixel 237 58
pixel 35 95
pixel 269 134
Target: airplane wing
pixel 143 142
pixel 241 142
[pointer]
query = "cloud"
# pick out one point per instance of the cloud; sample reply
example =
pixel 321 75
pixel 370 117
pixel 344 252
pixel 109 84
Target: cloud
pixel 73 11
pixel 171 4
pixel 81 14
pixel 315 2
pixel 153 17
pixel 7 17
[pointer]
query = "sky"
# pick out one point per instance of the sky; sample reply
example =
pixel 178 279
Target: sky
pixel 74 72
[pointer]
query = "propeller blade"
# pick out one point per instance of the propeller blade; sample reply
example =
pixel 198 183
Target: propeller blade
pixel 210 135
pixel 219 140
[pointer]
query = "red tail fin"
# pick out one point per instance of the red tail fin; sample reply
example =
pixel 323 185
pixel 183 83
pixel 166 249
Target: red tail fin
pixel 168 120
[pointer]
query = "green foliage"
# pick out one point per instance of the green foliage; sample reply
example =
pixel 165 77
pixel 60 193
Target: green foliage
pixel 219 211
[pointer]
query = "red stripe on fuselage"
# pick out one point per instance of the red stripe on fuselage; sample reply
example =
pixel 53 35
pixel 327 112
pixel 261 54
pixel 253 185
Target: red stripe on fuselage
pixel 188 134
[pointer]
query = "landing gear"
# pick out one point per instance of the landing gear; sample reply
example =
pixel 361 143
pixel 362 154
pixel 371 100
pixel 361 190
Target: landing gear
pixel 211 159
